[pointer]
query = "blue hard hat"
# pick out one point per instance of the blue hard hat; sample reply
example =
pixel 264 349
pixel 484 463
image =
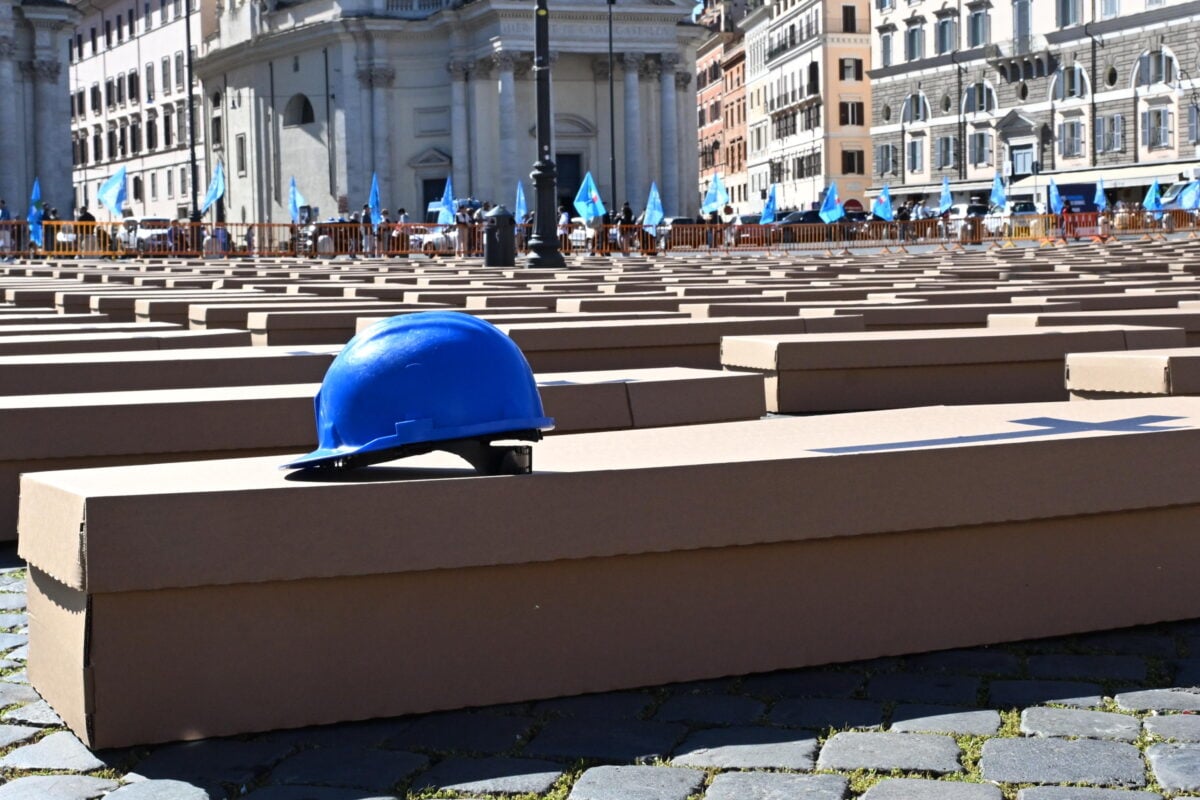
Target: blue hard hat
pixel 418 382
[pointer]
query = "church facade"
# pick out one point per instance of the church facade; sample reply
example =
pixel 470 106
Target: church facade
pixel 35 131
pixel 331 92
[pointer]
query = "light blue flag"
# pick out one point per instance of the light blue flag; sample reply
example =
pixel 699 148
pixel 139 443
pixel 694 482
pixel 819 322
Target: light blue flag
pixel 768 212
pixel 587 199
pixel 946 200
pixel 881 206
pixel 717 196
pixel 697 10
pixel 112 192
pixel 1189 198
pixel 997 197
pixel 520 209
pixel 373 201
pixel 34 217
pixel 1153 200
pixel 1056 201
pixel 831 207
pixel 295 200
pixel 216 187
pixel 1101 199
pixel 654 209
pixel 447 207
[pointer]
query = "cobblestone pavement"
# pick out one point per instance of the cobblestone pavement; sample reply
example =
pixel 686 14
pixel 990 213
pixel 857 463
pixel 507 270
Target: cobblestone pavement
pixel 1102 716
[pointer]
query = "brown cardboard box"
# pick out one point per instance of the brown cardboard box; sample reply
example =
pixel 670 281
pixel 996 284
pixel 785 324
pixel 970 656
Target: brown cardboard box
pixel 895 369
pixel 178 601
pixel 1096 376
pixel 109 342
pixel 1188 321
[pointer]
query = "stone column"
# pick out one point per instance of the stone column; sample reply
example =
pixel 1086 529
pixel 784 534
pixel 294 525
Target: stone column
pixel 505 63
pixel 8 176
pixel 459 135
pixel 687 169
pixel 669 141
pixel 48 154
pixel 633 129
pixel 379 78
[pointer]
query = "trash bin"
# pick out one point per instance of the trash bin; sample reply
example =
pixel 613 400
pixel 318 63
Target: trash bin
pixel 499 238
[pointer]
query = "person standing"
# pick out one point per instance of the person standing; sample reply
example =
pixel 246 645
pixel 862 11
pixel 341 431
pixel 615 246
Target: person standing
pixel 400 234
pixel 6 238
pixel 564 229
pixel 462 230
pixel 626 220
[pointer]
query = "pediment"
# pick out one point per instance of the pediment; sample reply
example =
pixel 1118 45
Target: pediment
pixel 430 157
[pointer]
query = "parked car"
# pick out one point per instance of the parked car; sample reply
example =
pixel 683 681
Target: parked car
pixel 960 213
pixel 743 230
pixel 144 235
pixel 796 227
pixel 433 241
pixel 1022 219
pixel 679 232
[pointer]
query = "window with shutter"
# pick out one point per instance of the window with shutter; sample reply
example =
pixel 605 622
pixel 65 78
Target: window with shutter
pixel 1118 132
pixel 1145 129
pixel 1194 123
pixel 1102 140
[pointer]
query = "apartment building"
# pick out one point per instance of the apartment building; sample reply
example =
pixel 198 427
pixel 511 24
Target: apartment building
pixel 1076 91
pixel 129 104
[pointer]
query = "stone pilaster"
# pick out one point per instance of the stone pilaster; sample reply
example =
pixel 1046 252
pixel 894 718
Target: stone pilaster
pixel 8 177
pixel 669 134
pixel 379 79
pixel 505 63
pixel 459 138
pixel 633 128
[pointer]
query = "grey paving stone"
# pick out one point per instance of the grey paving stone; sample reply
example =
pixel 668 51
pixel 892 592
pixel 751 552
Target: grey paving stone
pixel 11 734
pixel 313 793
pixel 59 751
pixel 162 790
pixel 775 786
pixel 1102 667
pixel 39 713
pixel 491 776
pixel 1137 643
pixel 711 709
pixel 908 751
pixel 12 601
pixel 955 690
pixel 1073 722
pixel 1061 761
pixel 56 787
pixel 1175 766
pixel 1159 700
pixel 213 761
pixel 20 654
pixel 8 663
pixel 945 719
pixel 377 770
pixel 21 676
pixel 613 740
pixel 1018 694
pixel 10 621
pixel 372 733
pixel 12 583
pixel 1183 727
pixel 747 748
pixel 10 640
pixel 824 713
pixel 1082 793
pixel 978 662
pixel 464 732
pixel 637 783
pixel 609 705
pixel 12 694
pixel 922 789
pixel 803 683
pixel 1187 672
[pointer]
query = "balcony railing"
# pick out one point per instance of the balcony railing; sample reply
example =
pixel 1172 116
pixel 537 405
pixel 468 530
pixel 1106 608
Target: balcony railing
pixel 1020 46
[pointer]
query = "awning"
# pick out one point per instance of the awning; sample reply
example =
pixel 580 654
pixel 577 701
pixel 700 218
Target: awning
pixel 1114 177
pixel 930 189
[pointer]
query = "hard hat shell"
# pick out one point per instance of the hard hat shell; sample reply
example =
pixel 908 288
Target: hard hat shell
pixel 426 377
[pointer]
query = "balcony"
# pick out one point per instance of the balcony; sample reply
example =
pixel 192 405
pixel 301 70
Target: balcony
pixel 1024 56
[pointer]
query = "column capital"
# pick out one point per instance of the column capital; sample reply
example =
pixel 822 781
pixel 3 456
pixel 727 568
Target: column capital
pixel 377 76
pixel 669 61
pixel 633 61
pixel 600 68
pixel 8 47
pixel 651 68
pixel 683 79
pixel 504 60
pixel 458 69
pixel 45 70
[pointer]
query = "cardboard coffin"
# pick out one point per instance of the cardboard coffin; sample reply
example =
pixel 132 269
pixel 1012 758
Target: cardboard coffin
pixel 109 342
pixel 1097 376
pixel 180 601
pixel 897 369
pixel 1188 321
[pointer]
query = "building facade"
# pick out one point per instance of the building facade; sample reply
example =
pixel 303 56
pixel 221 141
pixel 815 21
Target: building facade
pixel 416 91
pixel 1073 91
pixel 34 135
pixel 129 104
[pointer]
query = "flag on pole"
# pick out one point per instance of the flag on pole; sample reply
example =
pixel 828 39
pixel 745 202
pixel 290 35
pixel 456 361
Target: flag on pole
pixel 697 10
pixel 1056 201
pixel 216 187
pixel 831 207
pixel 1189 198
pixel 520 209
pixel 654 209
pixel 587 199
pixel 1153 200
pixel 946 200
pixel 34 217
pixel 295 200
pixel 1101 199
pixel 446 207
pixel 881 206
pixel 997 197
pixel 717 197
pixel 768 212
pixel 373 201
pixel 112 192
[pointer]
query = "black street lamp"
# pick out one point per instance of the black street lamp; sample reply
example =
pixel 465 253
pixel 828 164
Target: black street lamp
pixel 612 114
pixel 543 243
pixel 195 174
